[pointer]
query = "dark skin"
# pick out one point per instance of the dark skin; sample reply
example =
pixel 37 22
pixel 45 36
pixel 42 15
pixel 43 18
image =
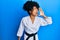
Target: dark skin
pixel 34 13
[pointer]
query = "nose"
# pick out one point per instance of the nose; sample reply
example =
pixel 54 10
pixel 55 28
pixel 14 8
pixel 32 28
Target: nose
pixel 36 10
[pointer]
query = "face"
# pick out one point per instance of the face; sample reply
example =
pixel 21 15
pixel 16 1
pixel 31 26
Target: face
pixel 34 11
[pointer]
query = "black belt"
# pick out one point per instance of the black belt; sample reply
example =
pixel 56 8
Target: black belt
pixel 30 35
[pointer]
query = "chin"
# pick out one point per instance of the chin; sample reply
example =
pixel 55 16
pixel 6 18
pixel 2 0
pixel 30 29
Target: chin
pixel 35 15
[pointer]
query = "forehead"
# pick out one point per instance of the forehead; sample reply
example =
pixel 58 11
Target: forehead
pixel 34 7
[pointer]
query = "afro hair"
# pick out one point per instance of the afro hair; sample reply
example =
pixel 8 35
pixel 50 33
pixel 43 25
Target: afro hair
pixel 28 6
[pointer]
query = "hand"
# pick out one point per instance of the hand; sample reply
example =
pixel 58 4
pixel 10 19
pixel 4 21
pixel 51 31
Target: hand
pixel 41 12
pixel 18 38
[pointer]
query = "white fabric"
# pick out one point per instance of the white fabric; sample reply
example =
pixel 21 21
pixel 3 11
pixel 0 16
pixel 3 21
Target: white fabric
pixel 26 24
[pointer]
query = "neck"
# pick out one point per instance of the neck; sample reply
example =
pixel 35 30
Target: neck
pixel 32 17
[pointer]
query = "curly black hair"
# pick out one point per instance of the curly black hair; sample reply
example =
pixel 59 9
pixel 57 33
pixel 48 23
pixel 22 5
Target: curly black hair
pixel 28 6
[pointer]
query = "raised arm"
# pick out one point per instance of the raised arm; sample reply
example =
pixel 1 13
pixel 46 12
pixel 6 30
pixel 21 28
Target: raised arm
pixel 45 20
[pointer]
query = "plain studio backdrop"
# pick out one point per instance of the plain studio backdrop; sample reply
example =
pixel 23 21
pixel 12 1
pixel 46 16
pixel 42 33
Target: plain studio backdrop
pixel 11 13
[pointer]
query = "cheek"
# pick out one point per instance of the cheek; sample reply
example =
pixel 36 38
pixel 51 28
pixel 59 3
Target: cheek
pixel 35 11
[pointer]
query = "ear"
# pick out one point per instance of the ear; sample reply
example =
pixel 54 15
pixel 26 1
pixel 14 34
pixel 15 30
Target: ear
pixel 29 11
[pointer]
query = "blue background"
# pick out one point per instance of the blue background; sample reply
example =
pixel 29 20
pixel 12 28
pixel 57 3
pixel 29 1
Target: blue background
pixel 11 13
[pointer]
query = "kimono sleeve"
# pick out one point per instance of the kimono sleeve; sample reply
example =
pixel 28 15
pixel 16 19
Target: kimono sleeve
pixel 46 21
pixel 21 29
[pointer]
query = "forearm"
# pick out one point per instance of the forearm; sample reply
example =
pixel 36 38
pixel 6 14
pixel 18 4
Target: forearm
pixel 47 19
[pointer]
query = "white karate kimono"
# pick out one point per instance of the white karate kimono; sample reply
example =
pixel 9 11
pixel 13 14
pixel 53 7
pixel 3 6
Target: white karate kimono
pixel 26 24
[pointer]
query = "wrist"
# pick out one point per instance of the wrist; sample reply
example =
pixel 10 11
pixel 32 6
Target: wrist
pixel 45 16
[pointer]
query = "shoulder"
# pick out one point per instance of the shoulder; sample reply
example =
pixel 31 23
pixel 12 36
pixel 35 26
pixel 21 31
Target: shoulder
pixel 25 18
pixel 39 18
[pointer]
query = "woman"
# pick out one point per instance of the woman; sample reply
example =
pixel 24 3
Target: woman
pixel 32 22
